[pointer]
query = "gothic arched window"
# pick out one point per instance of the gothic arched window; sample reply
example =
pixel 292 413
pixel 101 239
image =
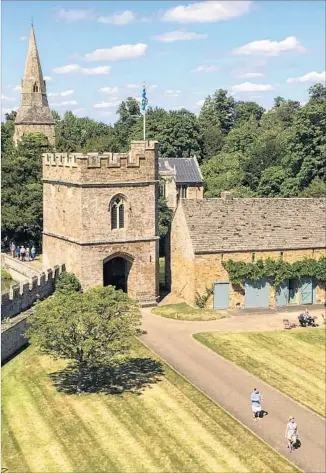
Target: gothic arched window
pixel 35 87
pixel 117 213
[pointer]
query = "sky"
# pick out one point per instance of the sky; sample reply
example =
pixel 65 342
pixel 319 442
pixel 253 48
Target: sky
pixel 96 54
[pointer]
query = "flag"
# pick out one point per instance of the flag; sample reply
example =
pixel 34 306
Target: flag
pixel 144 100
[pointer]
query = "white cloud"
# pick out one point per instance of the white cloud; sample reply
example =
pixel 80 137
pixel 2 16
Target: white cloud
pixel 83 70
pixel 5 98
pixel 23 38
pixel 9 110
pixel 116 53
pixel 179 36
pixel 250 87
pixel 172 93
pixel 109 90
pixel 64 103
pixel 119 18
pixel 78 110
pixel 17 88
pixel 61 94
pixel 206 12
pixel 47 78
pixel 266 47
pixel 106 113
pixel 309 77
pixel 203 68
pixel 133 86
pixel 200 103
pixel 72 15
pixel 113 103
pixel 251 75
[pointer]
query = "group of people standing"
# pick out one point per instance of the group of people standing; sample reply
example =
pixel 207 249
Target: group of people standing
pixel 291 430
pixel 22 253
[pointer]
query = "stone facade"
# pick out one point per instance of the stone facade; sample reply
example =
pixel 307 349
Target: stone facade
pixel 34 115
pixel 78 194
pixel 195 267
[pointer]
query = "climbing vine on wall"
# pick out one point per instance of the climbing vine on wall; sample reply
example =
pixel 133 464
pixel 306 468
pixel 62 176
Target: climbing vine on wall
pixel 276 270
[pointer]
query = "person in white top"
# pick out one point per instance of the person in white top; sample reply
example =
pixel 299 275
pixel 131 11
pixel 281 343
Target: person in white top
pixel 291 433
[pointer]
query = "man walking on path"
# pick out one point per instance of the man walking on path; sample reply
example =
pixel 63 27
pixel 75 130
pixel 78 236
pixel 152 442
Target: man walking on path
pixel 22 253
pixel 17 252
pixel 256 399
pixel 33 252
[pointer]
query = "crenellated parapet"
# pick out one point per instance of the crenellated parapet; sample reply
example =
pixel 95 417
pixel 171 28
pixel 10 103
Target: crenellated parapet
pixel 22 296
pixel 139 163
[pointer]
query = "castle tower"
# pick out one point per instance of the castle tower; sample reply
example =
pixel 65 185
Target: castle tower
pixel 34 114
pixel 100 214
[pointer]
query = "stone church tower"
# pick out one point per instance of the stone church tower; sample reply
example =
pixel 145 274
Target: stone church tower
pixel 100 214
pixel 34 114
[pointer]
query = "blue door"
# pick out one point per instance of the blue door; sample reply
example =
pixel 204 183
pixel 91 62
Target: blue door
pixel 221 295
pixel 306 291
pixel 256 293
pixel 282 294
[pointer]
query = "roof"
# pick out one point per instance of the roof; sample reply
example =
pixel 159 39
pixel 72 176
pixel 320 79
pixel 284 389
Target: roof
pixel 219 225
pixel 187 169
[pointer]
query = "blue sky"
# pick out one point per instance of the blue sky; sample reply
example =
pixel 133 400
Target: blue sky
pixel 95 54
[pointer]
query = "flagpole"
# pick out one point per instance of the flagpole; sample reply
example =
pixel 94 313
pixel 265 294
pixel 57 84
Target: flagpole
pixel 144 125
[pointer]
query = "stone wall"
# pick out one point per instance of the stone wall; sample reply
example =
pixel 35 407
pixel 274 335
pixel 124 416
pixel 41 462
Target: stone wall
pixel 25 129
pixel 18 270
pixel 182 259
pixel 195 192
pixel 209 269
pixel 22 296
pixel 12 336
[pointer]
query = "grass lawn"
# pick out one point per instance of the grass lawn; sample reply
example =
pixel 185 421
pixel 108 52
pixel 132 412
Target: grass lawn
pixel 184 311
pixel 160 423
pixel 293 362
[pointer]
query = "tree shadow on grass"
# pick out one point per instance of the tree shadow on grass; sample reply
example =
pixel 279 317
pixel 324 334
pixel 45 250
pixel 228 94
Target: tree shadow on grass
pixel 133 375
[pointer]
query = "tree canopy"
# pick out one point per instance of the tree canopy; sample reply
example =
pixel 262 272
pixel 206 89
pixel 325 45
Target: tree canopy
pixel 90 329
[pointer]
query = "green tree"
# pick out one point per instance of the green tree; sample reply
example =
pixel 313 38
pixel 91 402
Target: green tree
pixel 218 111
pixel 165 216
pixel 316 188
pixel 222 173
pixel 22 207
pixel 271 181
pixel 90 329
pixel 245 111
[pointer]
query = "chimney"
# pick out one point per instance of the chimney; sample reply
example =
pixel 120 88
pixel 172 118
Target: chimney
pixel 225 195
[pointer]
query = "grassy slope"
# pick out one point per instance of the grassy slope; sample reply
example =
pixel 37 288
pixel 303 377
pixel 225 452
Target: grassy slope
pixel 184 311
pixel 170 427
pixel 293 362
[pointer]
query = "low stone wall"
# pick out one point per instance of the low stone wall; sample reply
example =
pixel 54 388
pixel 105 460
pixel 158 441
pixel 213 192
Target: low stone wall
pixel 12 336
pixel 18 270
pixel 22 296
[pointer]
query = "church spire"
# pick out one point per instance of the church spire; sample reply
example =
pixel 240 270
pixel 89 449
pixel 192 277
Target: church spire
pixel 34 114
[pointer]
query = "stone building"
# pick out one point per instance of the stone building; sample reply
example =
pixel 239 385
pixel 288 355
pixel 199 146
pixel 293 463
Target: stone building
pixel 207 232
pixel 101 218
pixel 34 115
pixel 180 178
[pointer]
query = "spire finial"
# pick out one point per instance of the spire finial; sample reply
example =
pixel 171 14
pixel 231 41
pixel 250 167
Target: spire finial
pixel 32 24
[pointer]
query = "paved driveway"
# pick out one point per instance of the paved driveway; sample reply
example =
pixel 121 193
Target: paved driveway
pixel 230 386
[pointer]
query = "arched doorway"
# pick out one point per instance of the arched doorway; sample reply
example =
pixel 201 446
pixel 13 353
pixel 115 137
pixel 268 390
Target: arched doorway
pixel 116 271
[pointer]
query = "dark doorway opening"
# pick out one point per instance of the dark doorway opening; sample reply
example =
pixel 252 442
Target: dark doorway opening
pixel 116 272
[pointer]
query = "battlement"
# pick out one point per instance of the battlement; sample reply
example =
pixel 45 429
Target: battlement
pixel 22 296
pixel 137 153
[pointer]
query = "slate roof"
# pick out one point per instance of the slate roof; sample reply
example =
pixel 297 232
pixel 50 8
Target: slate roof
pixel 218 225
pixel 187 169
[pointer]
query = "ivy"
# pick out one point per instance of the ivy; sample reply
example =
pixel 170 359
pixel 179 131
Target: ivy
pixel 201 301
pixel 276 270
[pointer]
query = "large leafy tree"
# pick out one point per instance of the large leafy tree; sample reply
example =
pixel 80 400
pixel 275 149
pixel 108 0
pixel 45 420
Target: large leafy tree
pixel 22 190
pixel 90 329
pixel 218 110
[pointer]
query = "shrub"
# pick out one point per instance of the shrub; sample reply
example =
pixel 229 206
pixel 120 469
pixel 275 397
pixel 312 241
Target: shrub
pixel 67 283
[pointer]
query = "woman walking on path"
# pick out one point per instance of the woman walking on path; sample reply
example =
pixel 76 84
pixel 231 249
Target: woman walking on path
pixel 291 433
pixel 256 399
pixel 33 252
